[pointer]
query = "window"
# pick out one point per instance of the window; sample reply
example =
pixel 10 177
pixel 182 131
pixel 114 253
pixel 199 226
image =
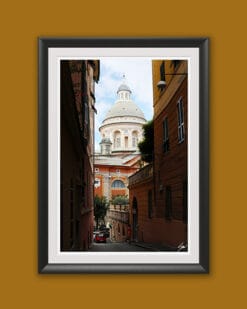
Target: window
pixel 118 143
pixel 185 202
pixel 85 101
pixel 117 139
pixel 168 206
pixel 150 204
pixel 162 71
pixel 126 141
pixel 97 182
pixel 118 184
pixel 180 120
pixel 166 145
pixel 134 139
pixel 107 149
pixel 175 63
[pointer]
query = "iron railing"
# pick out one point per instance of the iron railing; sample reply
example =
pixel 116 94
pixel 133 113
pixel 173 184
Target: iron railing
pixel 142 174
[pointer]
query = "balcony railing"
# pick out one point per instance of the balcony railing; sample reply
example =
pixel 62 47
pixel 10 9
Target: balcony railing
pixel 119 207
pixel 143 174
pixel 118 216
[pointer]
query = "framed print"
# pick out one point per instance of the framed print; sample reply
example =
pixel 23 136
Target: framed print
pixel 123 164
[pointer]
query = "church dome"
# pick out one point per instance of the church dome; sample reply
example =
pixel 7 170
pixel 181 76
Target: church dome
pixel 125 108
pixel 122 125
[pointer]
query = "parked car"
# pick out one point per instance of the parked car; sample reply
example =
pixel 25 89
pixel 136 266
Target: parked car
pixel 100 237
pixel 104 230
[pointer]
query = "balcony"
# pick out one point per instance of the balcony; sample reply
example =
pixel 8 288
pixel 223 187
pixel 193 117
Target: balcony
pixel 121 216
pixel 142 175
pixel 119 207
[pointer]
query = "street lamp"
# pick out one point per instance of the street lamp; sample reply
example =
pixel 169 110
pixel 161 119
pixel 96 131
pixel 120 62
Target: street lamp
pixel 162 83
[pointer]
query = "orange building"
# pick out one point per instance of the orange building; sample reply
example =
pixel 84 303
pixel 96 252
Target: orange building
pixel 111 180
pixel 111 175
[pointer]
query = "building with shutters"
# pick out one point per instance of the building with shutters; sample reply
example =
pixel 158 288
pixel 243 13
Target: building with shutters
pixel 158 192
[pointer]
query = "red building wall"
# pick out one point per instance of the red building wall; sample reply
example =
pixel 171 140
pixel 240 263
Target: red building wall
pixel 142 230
pixel 168 223
pixel 170 167
pixel 76 157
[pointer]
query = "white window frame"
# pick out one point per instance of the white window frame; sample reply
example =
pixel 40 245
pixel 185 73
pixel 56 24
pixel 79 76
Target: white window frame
pixel 180 109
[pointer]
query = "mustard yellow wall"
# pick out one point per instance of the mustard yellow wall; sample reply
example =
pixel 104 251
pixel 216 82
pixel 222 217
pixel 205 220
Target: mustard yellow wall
pixel 156 78
pixel 169 69
pixel 21 23
pixel 162 98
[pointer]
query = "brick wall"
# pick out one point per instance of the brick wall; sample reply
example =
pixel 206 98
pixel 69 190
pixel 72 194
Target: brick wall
pixel 76 165
pixel 171 167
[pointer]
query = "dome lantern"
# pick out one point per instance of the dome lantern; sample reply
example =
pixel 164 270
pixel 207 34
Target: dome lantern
pixel 124 106
pixel 124 91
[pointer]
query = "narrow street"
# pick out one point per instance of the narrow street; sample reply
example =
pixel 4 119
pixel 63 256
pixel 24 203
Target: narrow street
pixel 115 246
pixel 112 166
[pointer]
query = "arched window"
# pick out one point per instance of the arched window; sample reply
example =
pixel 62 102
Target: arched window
pixel 126 142
pixel 118 184
pixel 117 139
pixel 134 139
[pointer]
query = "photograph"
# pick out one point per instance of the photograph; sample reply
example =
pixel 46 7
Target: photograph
pixel 135 204
pixel 123 134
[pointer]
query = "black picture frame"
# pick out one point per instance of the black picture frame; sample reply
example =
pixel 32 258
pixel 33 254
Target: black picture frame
pixel 44 267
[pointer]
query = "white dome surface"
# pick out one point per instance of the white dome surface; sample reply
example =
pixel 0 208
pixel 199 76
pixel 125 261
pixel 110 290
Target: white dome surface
pixel 122 124
pixel 125 108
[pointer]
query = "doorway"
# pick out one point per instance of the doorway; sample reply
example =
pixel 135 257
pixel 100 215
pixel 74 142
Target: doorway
pixel 135 219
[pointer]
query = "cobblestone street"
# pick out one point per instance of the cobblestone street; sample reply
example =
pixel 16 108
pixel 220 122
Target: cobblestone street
pixel 115 246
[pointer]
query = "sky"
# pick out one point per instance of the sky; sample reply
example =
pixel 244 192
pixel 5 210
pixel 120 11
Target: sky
pixel 138 76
